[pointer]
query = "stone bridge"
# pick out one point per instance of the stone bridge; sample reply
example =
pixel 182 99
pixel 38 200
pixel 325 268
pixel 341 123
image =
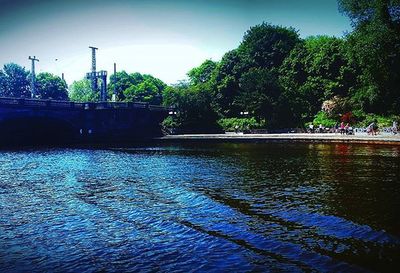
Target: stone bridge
pixel 28 121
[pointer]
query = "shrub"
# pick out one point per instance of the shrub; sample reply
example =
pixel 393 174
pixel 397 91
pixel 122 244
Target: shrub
pixel 229 124
pixel 382 121
pixel 322 118
pixel 335 106
pixel 169 124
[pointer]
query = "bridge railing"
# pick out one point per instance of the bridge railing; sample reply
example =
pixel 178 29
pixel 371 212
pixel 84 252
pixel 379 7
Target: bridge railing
pixel 79 105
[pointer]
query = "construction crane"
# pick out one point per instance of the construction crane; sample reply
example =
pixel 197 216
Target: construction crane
pixel 33 78
pixel 94 75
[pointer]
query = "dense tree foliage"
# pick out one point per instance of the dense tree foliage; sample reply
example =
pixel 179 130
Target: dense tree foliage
pixel 267 46
pixel 14 81
pixel 136 87
pixel 315 71
pixel 149 90
pixel 246 80
pixel 81 91
pixel 122 81
pixel 50 86
pixel 365 11
pixel 194 105
pixel 284 81
pixel 203 73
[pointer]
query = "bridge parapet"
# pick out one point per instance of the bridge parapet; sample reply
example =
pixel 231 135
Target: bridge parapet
pixel 38 103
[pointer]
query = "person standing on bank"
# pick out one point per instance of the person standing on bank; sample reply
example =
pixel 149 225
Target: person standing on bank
pixel 342 130
pixel 394 127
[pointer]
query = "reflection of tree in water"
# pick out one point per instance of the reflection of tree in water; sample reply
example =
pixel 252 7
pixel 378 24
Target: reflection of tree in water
pixel 337 184
pixel 359 183
pixel 364 188
pixel 363 181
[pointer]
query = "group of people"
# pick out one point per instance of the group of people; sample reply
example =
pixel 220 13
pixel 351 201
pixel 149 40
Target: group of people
pixel 373 128
pixel 344 129
pixel 320 129
pixel 341 128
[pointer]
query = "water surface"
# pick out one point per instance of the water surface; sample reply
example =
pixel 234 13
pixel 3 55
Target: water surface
pixel 201 208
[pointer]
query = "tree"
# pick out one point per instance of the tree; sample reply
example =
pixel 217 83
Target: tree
pixel 362 11
pixel 3 83
pixel 136 87
pixel 194 107
pixel 374 46
pixel 157 82
pixel 81 91
pixel 122 81
pixel 202 73
pixel 14 81
pixel 259 93
pixel 50 86
pixel 264 46
pixel 328 62
pixel 148 90
pixel 315 71
pixel 226 85
pixel 292 76
pixel 267 46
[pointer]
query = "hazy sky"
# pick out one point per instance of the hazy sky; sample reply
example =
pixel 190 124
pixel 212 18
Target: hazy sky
pixel 159 37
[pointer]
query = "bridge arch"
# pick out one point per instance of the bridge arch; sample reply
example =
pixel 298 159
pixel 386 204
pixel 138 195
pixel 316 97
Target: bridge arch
pixel 36 130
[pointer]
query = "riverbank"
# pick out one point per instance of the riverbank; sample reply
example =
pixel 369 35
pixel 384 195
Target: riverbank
pixel 292 137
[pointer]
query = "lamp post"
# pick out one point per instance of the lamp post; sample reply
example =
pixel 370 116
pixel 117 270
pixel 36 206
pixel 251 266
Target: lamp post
pixel 243 114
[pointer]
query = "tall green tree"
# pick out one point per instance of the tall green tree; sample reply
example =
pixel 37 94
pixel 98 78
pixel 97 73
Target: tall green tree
pixel 327 62
pixel 259 94
pixel 263 47
pixel 315 71
pixel 81 91
pixel 376 50
pixel 362 11
pixel 202 73
pixel 122 81
pixel 50 86
pixel 14 81
pixel 266 45
pixel 146 89
pixel 136 87
pixel 194 107
pixel 292 76
pixel 374 46
pixel 226 85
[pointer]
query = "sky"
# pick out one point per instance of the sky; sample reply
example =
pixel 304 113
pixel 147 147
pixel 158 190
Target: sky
pixel 164 38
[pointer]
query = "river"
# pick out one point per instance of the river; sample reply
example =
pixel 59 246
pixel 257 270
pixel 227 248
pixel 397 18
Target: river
pixel 201 208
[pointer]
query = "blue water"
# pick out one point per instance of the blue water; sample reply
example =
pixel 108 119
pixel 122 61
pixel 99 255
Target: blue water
pixel 201 208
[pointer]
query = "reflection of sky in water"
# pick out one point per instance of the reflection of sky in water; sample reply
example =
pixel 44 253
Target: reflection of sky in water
pixel 221 207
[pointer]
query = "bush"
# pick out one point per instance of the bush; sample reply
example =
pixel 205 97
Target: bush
pixel 382 121
pixel 322 118
pixel 229 124
pixel 169 124
pixel 335 106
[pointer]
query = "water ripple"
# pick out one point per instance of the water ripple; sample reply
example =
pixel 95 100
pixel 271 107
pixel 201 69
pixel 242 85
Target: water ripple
pixel 204 208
